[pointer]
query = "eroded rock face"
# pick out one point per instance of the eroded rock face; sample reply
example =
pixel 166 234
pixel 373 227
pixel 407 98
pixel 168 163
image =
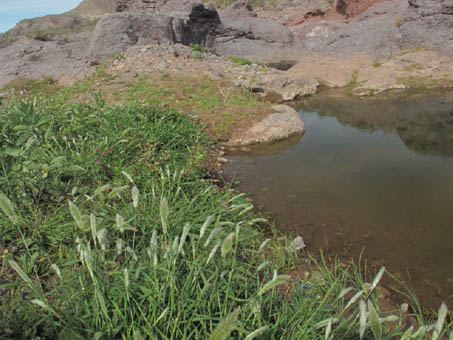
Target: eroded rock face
pixel 139 5
pixel 31 59
pixel 353 8
pixel 429 23
pixel 183 22
pixel 284 122
pixel 235 32
pixel 245 35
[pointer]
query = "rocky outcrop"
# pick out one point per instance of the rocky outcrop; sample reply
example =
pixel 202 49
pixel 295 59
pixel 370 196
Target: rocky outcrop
pixel 188 22
pixel 284 122
pixel 235 32
pixel 383 30
pixel 139 5
pixel 353 8
pixel 94 8
pixel 32 59
pixel 428 23
pixel 245 35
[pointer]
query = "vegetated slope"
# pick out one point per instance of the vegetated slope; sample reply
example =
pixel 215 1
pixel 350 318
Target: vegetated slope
pixel 94 8
pixel 110 229
pixel 53 26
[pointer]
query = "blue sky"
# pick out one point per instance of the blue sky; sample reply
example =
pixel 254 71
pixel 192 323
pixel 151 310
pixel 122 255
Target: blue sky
pixel 12 11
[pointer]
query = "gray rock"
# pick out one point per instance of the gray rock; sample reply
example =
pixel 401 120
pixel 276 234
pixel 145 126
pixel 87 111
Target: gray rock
pixel 247 36
pixel 33 59
pixel 139 5
pixel 429 23
pixel 284 122
pixel 238 9
pixel 383 30
pixel 289 87
pixel 190 22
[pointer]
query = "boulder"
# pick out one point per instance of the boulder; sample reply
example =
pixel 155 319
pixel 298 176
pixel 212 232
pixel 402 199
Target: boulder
pixel 282 123
pixel 186 22
pixel 237 10
pixel 429 23
pixel 247 36
pixel 34 59
pixel 289 87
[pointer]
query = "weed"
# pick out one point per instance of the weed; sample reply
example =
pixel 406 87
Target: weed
pixel 196 48
pixel 413 67
pixel 195 55
pixel 117 56
pixel 400 22
pixel 165 76
pixel 353 82
pixel 240 61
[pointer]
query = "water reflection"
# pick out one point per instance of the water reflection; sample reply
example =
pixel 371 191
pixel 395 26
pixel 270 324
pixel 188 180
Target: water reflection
pixel 374 173
pixel 423 121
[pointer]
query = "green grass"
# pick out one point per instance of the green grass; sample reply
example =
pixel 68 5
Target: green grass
pixel 240 61
pixel 111 229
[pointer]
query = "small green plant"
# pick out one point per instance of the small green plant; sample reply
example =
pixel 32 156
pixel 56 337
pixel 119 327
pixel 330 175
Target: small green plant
pixel 240 61
pixel 164 76
pixel 400 22
pixel 117 56
pixel 195 55
pixel 353 82
pixel 413 67
pixel 197 48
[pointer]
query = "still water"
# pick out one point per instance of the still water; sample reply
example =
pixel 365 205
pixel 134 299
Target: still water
pixel 373 174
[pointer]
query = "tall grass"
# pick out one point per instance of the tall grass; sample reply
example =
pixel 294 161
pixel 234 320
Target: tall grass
pixel 110 230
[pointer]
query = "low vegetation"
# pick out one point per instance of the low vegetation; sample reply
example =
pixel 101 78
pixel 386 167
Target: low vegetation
pixel 111 229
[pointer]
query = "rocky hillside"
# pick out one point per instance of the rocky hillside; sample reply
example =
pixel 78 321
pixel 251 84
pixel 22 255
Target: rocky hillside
pixel 282 35
pixel 60 26
pixel 94 8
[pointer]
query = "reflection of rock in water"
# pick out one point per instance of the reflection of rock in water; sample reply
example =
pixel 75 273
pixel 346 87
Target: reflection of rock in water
pixel 424 122
pixel 266 149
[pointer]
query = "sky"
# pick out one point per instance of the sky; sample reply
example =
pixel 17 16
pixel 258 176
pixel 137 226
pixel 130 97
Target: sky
pixel 12 11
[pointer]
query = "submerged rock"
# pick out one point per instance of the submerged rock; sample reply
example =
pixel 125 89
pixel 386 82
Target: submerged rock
pixel 282 123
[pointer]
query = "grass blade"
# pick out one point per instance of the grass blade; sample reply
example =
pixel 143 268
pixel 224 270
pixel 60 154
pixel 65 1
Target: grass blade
pixel 443 310
pixel 20 271
pixel 205 225
pixel 164 211
pixel 77 216
pixel 377 278
pixel 375 323
pixel 256 332
pixel 227 244
pixel 226 326
pixel 277 280
pixel 8 209
pixel 362 318
pixel 135 195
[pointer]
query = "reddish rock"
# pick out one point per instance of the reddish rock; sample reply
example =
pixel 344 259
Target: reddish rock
pixel 353 8
pixel 341 10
